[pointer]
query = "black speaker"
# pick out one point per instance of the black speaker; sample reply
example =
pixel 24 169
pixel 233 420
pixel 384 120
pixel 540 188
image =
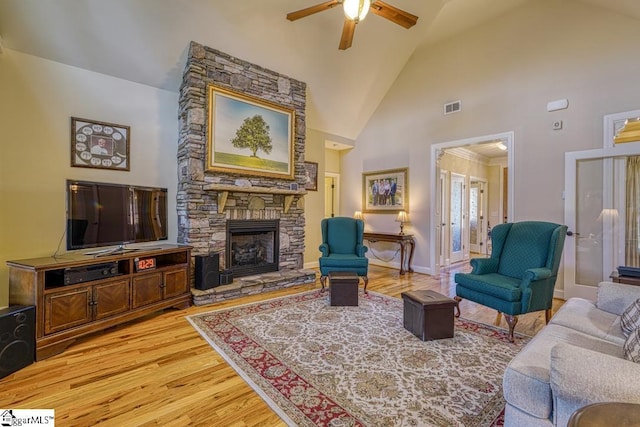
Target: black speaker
pixel 207 271
pixel 17 338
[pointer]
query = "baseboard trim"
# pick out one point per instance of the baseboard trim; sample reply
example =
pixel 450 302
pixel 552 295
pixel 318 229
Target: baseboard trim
pixel 312 264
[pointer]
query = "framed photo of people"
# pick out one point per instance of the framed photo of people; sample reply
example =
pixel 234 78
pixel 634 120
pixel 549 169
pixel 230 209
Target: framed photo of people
pixel 311 176
pixel 99 145
pixel 385 191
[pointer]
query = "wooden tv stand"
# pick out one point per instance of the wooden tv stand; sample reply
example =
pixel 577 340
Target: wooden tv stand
pixel 78 294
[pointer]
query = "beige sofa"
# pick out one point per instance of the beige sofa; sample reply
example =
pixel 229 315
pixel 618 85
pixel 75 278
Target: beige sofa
pixel 575 360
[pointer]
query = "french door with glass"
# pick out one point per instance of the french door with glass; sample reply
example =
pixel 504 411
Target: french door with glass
pixel 457 217
pixel 477 216
pixel 602 211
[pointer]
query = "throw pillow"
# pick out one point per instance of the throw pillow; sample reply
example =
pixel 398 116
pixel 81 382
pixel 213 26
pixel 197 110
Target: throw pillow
pixel 630 319
pixel 632 346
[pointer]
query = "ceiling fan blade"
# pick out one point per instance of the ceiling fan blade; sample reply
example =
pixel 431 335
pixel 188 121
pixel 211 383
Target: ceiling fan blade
pixel 393 14
pixel 311 10
pixel 348 31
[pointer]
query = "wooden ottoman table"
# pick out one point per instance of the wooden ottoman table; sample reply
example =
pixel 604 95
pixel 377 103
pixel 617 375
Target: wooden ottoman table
pixel 428 314
pixel 343 288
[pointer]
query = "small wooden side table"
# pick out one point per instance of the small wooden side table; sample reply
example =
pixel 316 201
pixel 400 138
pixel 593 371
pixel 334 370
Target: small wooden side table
pixel 627 280
pixel 606 414
pixel 403 240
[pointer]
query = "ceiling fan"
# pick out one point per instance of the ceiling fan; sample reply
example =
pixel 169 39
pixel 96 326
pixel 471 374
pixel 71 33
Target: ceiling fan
pixel 355 11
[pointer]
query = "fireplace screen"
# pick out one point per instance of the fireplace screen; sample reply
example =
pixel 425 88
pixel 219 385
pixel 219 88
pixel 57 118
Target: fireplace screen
pixel 252 246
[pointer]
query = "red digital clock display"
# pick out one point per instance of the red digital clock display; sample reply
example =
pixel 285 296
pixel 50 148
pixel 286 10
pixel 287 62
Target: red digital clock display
pixel 143 264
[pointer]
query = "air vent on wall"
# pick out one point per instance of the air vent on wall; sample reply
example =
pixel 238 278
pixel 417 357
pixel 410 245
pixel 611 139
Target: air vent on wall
pixel 452 107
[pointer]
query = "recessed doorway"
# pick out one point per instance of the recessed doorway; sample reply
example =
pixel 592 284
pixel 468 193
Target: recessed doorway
pixel 472 191
pixel 331 194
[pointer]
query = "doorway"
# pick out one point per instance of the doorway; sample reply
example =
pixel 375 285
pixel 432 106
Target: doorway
pixel 331 194
pixel 601 210
pixel 602 215
pixel 454 165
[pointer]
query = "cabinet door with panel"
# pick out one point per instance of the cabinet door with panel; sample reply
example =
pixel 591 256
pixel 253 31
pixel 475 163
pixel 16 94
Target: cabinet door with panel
pixel 175 283
pixel 111 298
pixel 147 289
pixel 66 309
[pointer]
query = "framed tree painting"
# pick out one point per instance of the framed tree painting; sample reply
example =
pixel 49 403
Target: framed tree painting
pixel 311 176
pixel 99 145
pixel 385 191
pixel 249 135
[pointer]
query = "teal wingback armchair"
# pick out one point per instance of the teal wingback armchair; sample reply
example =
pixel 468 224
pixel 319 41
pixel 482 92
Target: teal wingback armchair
pixel 342 248
pixel 520 275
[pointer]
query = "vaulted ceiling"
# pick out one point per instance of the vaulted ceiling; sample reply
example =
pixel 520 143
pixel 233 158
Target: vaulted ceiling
pixel 146 41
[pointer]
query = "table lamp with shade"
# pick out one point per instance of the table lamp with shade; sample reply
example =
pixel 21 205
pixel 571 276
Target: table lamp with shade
pixel 402 219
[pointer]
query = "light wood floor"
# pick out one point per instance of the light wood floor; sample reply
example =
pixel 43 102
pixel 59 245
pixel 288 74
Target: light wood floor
pixel 159 371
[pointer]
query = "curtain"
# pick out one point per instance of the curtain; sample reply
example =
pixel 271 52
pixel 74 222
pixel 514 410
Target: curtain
pixel 632 254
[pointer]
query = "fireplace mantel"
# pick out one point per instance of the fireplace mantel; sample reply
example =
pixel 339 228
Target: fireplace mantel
pixel 223 193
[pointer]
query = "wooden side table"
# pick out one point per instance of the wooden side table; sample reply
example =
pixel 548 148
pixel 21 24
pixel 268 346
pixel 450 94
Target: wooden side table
pixel 403 240
pixel 606 414
pixel 627 280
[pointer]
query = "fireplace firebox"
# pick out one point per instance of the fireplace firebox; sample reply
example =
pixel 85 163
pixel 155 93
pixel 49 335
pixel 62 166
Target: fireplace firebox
pixel 252 246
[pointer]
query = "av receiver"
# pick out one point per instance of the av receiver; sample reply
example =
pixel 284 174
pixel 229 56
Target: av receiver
pixel 90 272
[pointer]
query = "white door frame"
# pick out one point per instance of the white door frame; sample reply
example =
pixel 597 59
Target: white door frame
pixel 436 220
pixel 441 229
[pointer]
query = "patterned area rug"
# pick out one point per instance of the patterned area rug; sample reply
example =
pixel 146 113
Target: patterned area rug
pixel 318 365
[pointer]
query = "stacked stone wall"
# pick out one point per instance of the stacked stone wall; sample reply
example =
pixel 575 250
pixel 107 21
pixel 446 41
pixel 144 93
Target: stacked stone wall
pixel 199 223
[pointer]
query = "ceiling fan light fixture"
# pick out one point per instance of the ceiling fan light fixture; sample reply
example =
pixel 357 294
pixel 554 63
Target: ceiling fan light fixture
pixel 356 10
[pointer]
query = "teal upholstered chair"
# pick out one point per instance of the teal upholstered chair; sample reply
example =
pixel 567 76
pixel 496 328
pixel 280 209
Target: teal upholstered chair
pixel 342 248
pixel 520 275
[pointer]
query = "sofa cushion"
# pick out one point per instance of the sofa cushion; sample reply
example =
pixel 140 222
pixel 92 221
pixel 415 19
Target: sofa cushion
pixel 632 346
pixel 580 376
pixel 526 379
pixel 583 315
pixel 630 319
pixel 616 297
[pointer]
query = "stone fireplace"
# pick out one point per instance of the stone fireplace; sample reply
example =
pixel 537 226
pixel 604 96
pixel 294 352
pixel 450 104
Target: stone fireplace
pixel 209 201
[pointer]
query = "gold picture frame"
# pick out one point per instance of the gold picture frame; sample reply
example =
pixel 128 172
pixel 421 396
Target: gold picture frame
pixel 385 191
pixel 240 127
pixel 99 145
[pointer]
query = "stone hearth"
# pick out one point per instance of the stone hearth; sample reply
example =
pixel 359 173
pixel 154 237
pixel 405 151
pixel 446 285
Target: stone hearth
pixel 249 285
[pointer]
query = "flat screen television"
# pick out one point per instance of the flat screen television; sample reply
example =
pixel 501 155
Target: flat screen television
pixel 102 214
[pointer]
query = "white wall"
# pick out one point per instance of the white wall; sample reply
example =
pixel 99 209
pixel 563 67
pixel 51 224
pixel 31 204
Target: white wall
pixel 37 100
pixel 314 206
pixel 314 200
pixel 504 72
